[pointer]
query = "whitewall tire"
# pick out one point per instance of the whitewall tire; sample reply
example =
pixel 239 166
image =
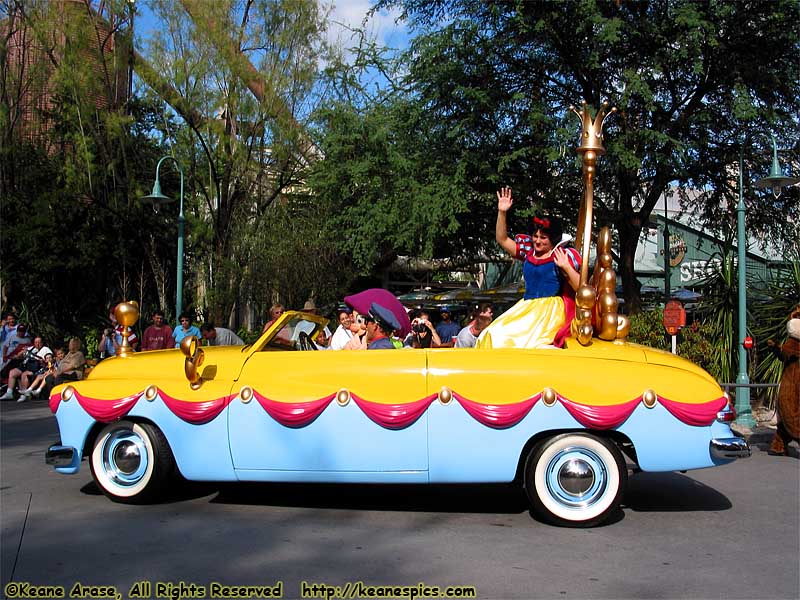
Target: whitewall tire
pixel 575 479
pixel 131 462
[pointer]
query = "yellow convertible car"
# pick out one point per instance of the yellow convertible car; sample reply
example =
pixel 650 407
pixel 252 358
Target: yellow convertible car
pixel 561 422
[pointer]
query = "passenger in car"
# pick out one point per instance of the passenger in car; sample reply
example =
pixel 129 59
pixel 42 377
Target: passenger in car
pixel 381 323
pixel 551 272
pixel 358 327
pixel 342 334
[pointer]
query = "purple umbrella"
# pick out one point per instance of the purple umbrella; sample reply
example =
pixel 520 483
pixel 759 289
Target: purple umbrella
pixel 362 301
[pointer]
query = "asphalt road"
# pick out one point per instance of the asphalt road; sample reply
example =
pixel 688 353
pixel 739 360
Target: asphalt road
pixel 729 532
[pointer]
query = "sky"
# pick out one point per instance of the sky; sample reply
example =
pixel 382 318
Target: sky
pixel 351 13
pixel 345 15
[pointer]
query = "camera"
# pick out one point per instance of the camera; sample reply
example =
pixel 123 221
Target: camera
pixel 418 326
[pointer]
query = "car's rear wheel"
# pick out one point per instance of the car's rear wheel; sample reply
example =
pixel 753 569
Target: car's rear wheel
pixel 131 462
pixel 575 479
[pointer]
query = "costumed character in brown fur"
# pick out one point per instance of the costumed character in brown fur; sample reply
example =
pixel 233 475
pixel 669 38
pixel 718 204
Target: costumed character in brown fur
pixel 789 392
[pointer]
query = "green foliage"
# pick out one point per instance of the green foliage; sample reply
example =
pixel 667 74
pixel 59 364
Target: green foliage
pixel 718 311
pixel 696 342
pixel 770 313
pixel 384 194
pixel 691 85
pixel 247 335
pixel 91 342
pixel 647 328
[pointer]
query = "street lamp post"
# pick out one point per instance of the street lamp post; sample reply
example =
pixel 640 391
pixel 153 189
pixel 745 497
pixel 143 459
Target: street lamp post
pixel 775 180
pixel 157 198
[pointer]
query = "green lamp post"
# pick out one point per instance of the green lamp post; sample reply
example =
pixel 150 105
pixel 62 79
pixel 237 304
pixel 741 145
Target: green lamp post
pixel 158 199
pixel 776 181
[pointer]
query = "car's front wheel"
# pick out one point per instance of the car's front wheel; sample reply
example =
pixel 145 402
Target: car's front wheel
pixel 131 462
pixel 575 479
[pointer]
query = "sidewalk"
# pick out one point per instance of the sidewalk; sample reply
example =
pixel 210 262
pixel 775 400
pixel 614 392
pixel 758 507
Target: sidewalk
pixel 763 430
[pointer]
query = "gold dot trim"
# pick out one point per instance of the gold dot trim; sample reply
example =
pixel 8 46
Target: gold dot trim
pixel 445 395
pixel 549 396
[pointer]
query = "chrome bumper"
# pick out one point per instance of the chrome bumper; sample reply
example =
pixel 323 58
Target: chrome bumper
pixel 729 448
pixel 60 456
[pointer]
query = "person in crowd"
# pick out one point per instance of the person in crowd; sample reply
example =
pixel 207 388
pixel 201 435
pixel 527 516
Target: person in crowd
pixel 32 362
pixel 482 318
pixel 185 329
pixel 323 338
pixel 219 336
pixel 789 391
pixel 9 327
pixel 423 334
pixel 111 340
pixel 40 380
pixel 275 311
pixel 447 329
pixel 159 335
pixel 358 328
pixel 551 273
pixel 380 324
pixel 342 334
pixel 14 348
pixel 70 367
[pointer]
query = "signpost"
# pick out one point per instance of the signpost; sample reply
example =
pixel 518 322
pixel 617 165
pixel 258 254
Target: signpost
pixel 674 320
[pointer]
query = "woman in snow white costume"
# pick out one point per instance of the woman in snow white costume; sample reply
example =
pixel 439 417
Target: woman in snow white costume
pixel 552 274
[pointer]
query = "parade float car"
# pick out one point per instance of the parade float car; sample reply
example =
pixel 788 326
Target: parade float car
pixel 564 423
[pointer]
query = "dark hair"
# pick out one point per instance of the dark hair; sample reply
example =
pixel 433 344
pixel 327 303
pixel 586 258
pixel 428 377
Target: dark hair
pixel 185 316
pixel 549 226
pixel 482 307
pixel 158 313
pixel 207 327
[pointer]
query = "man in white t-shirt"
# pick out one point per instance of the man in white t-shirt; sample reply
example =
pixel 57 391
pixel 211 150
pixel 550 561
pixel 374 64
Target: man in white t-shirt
pixel 219 336
pixel 469 334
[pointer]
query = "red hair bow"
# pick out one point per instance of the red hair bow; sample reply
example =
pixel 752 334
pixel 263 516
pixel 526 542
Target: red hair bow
pixel 544 222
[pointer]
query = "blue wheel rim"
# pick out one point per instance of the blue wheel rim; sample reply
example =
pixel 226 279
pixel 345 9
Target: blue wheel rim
pixel 125 457
pixel 576 478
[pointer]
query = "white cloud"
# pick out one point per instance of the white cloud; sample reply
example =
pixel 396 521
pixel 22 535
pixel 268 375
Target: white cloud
pixel 346 15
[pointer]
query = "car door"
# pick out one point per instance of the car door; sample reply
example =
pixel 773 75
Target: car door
pixel 330 416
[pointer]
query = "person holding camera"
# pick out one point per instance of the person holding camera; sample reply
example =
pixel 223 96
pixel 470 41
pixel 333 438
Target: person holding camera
pixel 112 337
pixel 423 334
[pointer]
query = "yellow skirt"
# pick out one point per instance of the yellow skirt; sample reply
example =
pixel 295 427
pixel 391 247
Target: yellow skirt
pixel 527 324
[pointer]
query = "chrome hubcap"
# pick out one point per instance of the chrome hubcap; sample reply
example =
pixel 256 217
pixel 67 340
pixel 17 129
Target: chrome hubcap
pixel 125 457
pixel 576 477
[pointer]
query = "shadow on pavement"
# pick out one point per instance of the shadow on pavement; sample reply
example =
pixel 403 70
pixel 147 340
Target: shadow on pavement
pixel 494 498
pixel 671 492
pixel 179 491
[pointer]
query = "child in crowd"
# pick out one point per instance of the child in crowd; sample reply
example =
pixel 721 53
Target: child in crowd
pixel 39 382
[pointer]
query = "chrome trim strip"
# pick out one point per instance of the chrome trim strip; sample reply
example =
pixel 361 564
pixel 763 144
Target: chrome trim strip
pixel 727 448
pixel 60 456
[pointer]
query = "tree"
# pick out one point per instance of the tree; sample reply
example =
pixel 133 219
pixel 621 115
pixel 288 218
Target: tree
pixel 241 77
pixel 75 149
pixel 691 82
